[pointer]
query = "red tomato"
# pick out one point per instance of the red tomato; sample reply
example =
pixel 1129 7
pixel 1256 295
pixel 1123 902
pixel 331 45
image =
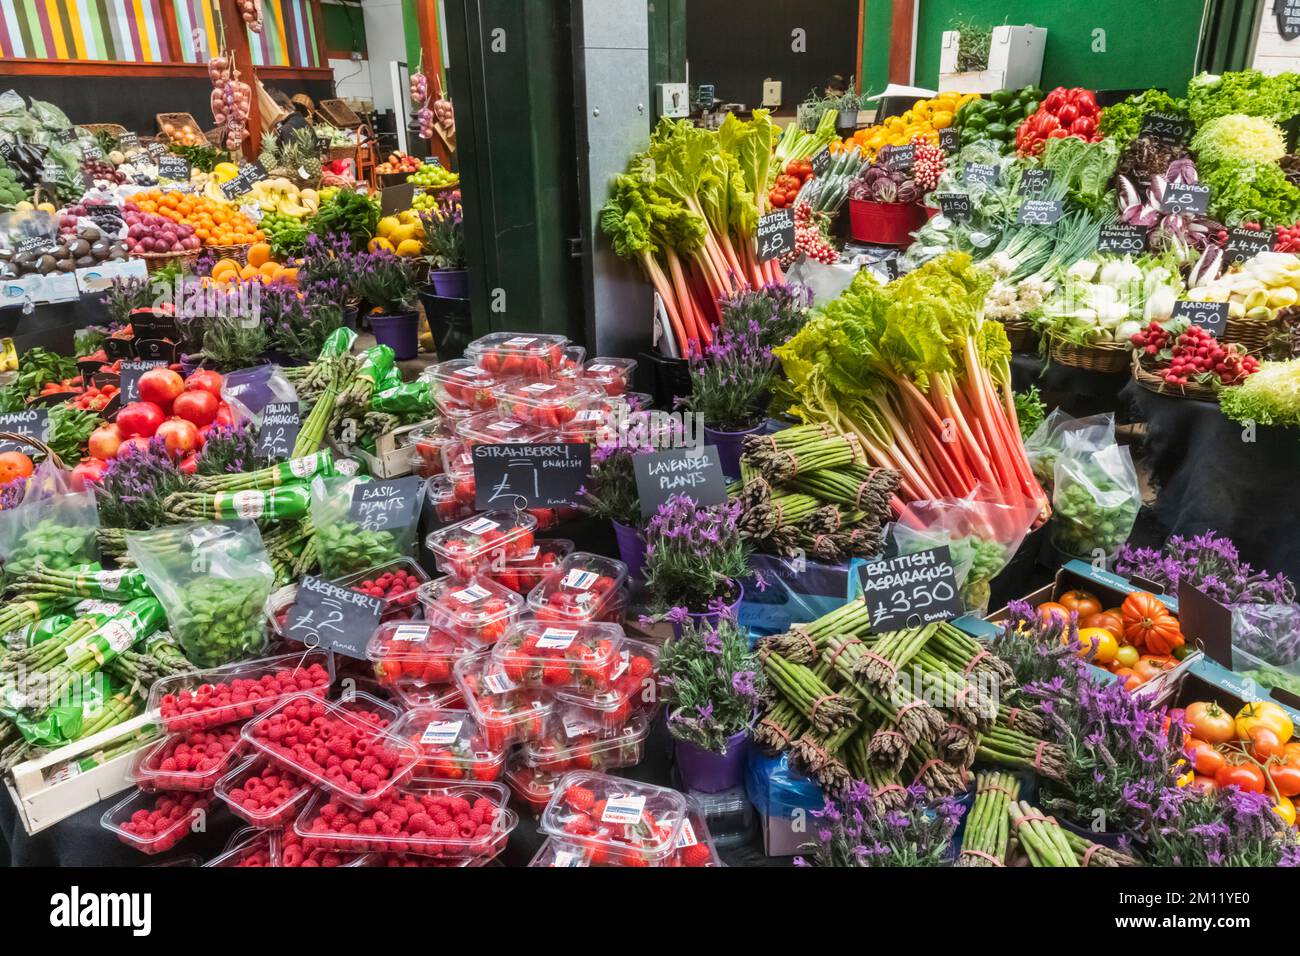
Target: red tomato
pixel 196 405
pixel 140 418
pixel 87 471
pixel 1264 743
pixel 206 380
pixel 1246 776
pixel 181 437
pixel 1286 777
pixel 160 386
pixel 104 442
pixel 1205 758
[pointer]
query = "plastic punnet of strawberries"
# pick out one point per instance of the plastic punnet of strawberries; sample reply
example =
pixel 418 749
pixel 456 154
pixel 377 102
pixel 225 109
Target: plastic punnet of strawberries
pixel 477 610
pixel 513 354
pixel 507 712
pixel 523 573
pixel 617 821
pixel 543 403
pixel 1194 355
pixel 452 745
pixel 577 739
pixel 470 546
pixel 580 654
pixel 414 651
pixel 631 689
pixel 585 587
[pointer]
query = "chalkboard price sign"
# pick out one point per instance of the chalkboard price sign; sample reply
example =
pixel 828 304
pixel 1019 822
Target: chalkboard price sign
pixel 1040 212
pixel 1167 127
pixel 1211 316
pixel 911 590
pixel 333 617
pixel 1035 182
pixel 693 472
pixel 131 372
pixel 775 235
pixel 33 422
pixel 529 476
pixel 385 505
pixel 1245 244
pixel 281 422
pixel 955 206
pixel 1185 199
pixel 175 168
pixel 949 140
pixel 981 173
pixel 900 158
pixel 821 161
pixel 1288 18
pixel 1122 240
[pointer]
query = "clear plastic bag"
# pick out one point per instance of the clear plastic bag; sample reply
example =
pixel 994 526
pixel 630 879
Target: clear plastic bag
pixel 1269 632
pixel 1059 433
pixel 342 545
pixel 1096 501
pixel 982 534
pixel 53 526
pixel 212 580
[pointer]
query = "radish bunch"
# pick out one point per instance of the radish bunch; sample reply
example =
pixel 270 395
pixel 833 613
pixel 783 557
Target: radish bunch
pixel 251 11
pixel 927 165
pixel 808 237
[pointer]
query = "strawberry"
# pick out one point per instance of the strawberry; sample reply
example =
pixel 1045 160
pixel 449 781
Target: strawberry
pixel 579 798
pixel 555 674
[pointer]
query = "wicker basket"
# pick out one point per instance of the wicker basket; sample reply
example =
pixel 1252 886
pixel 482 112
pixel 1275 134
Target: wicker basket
pixel 35 443
pixel 180 120
pixel 157 261
pixel 115 130
pixel 1154 383
pixel 1252 335
pixel 1021 334
pixel 1110 359
pixel 238 253
pixel 342 152
pixel 339 114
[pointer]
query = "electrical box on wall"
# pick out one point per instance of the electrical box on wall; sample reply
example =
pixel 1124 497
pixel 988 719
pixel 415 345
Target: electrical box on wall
pixel 674 100
pixel 771 92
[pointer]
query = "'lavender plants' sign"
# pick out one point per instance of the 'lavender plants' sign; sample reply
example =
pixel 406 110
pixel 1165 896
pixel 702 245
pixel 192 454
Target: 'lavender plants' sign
pixel 693 472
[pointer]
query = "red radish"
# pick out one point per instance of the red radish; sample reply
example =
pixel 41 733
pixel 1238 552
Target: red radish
pixel 139 419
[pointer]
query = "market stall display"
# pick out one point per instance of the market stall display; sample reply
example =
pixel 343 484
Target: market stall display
pixel 246 559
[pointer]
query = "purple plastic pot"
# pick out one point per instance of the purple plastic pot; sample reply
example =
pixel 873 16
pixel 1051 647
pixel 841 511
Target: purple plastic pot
pixel 450 283
pixel 729 448
pixel 399 332
pixel 711 618
pixel 631 547
pixel 710 772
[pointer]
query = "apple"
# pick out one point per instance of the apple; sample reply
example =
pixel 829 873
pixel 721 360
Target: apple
pixel 139 419
pixel 196 405
pixel 105 441
pixel 161 386
pixel 180 437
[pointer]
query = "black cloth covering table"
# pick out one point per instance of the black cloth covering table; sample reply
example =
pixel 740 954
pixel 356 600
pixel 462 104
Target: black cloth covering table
pixel 1209 475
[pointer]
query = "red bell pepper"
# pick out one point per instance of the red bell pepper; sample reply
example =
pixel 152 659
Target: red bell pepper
pixel 1067 114
pixel 1084 126
pixel 1055 100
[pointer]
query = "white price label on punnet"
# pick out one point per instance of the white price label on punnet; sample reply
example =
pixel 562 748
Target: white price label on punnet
pixel 411 632
pixel 557 638
pixel 625 808
pixel 441 732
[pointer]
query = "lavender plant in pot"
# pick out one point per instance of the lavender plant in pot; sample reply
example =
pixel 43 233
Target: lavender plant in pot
pixel 695 560
pixel 387 284
pixel 731 381
pixel 444 248
pixel 711 683
pixel 610 492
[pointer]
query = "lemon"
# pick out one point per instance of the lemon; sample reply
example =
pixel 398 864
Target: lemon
pixel 378 243
pixel 388 225
pixel 409 247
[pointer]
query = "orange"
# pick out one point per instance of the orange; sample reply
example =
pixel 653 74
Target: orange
pixel 248 272
pixel 259 254
pixel 269 269
pixel 14 464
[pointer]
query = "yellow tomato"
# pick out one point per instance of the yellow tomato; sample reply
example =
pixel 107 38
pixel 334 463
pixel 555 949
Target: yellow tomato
pixel 1127 655
pixel 1285 809
pixel 1268 714
pixel 1100 638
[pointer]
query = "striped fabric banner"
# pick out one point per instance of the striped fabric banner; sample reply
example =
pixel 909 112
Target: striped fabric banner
pixel 127 31
pixel 133 31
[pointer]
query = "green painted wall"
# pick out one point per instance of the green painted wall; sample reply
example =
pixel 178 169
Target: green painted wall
pixel 1147 42
pixel 875 45
pixel 345 28
pixel 411 25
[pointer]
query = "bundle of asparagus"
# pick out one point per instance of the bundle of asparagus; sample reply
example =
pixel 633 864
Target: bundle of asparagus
pixel 988 826
pixel 1041 837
